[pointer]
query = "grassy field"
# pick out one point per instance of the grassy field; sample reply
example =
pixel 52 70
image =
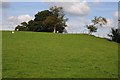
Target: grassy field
pixel 48 55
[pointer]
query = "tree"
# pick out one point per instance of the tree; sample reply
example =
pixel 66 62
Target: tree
pixel 115 35
pixel 99 20
pixel 50 23
pixel 30 25
pixel 41 16
pixel 20 28
pixel 47 21
pixel 60 19
pixel 24 24
pixel 91 28
pixel 23 27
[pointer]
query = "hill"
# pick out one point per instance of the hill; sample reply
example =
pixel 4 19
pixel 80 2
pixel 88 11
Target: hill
pixel 48 55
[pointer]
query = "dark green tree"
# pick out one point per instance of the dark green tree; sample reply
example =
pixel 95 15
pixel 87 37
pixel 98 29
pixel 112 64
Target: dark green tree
pixel 41 16
pixel 115 35
pixel 39 24
pixel 91 28
pixel 47 21
pixel 24 24
pixel 30 25
pixel 20 28
pixel 23 27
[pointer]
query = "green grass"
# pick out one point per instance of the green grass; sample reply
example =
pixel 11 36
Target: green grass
pixel 48 55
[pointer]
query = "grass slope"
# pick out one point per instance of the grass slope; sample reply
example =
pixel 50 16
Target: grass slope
pixel 48 55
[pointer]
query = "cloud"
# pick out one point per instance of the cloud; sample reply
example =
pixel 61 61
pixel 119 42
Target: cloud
pixel 109 22
pixel 77 24
pixel 12 21
pixel 81 9
pixel 97 1
pixel 115 19
pixel 24 18
pixel 113 22
pixel 0 9
pixel 117 14
pixel 19 19
pixel 75 8
pixel 4 0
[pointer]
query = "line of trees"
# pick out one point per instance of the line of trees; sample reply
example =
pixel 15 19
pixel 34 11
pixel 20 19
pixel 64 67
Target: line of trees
pixel 52 20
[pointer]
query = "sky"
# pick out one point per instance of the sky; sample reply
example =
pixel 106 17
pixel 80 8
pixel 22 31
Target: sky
pixel 58 0
pixel 79 13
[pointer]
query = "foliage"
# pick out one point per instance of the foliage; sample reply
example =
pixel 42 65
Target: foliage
pixel 22 27
pixel 60 22
pixel 47 21
pixel 97 20
pixel 92 28
pixel 50 23
pixel 115 35
pixel 41 16
pixel 24 24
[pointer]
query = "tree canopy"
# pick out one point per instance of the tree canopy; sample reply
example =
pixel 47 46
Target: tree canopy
pixel 92 28
pixel 115 35
pixel 51 20
pixel 97 20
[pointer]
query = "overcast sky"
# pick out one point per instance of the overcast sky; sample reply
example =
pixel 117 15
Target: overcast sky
pixel 79 13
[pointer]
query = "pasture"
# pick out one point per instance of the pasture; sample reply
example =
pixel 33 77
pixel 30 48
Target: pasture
pixel 49 55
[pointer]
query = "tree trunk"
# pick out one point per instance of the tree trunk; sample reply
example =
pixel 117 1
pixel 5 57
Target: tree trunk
pixel 90 33
pixel 54 30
